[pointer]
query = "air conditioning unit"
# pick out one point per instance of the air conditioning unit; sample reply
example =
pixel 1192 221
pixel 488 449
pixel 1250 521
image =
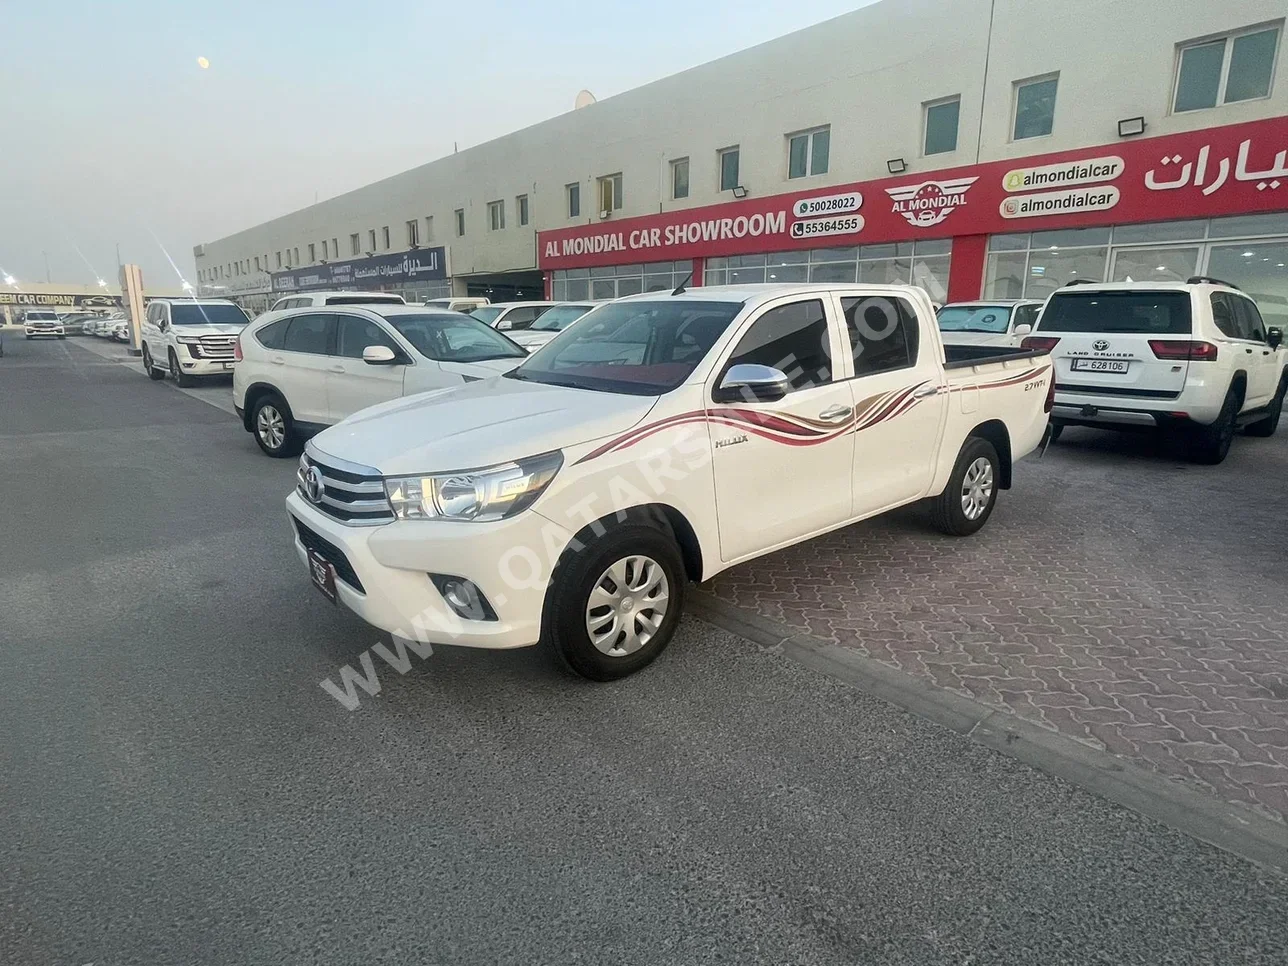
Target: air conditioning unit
pixel 605 213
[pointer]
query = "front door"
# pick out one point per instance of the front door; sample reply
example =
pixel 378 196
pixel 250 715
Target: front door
pixel 782 468
pixel 353 384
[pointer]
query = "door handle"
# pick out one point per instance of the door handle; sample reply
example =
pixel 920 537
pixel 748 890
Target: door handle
pixel 836 414
pixel 339 369
pixel 277 361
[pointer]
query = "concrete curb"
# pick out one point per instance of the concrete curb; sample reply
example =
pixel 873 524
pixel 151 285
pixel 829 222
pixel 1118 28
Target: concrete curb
pixel 1227 826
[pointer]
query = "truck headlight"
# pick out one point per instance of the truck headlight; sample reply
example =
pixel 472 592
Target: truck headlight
pixel 494 493
pixel 188 340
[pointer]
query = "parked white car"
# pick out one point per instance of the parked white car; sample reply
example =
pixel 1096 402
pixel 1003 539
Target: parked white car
pixel 305 300
pixel 507 316
pixel 659 441
pixel 999 322
pixel 188 338
pixel 553 321
pixel 465 305
pixel 1194 358
pixel 301 371
pixel 41 323
pixel 120 329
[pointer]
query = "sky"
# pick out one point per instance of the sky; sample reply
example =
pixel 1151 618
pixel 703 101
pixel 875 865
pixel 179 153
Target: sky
pixel 111 133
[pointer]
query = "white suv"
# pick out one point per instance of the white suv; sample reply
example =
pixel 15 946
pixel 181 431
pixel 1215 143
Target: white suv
pixel 188 338
pixel 507 316
pixel 303 370
pixel 1192 357
pixel 38 322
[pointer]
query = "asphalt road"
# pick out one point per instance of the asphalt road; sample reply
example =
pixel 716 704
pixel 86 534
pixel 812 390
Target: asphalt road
pixel 177 788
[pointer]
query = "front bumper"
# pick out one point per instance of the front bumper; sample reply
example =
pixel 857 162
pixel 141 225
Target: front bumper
pixel 204 367
pixel 57 330
pixel 507 561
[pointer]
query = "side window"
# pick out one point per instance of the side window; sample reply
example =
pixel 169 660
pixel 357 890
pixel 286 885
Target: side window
pixel 271 335
pixel 152 312
pixel 884 334
pixel 793 338
pixel 1026 314
pixel 521 318
pixel 356 334
pixel 309 333
pixel 1223 316
pixel 1248 317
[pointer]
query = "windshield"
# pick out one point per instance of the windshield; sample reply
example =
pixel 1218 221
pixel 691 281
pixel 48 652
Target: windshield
pixel 642 348
pixel 42 317
pixel 208 313
pixel 454 338
pixel 1150 313
pixel 559 318
pixel 486 314
pixel 974 318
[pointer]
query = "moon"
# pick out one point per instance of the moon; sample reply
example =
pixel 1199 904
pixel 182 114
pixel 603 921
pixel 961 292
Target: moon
pixel 203 63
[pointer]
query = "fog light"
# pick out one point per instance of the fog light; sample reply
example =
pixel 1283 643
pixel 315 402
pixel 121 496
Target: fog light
pixel 463 597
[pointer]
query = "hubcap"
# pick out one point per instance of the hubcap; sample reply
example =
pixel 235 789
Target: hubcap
pixel 977 488
pixel 627 605
pixel 271 427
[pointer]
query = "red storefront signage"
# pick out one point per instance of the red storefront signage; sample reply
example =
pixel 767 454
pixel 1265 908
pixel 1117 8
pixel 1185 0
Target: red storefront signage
pixel 1238 169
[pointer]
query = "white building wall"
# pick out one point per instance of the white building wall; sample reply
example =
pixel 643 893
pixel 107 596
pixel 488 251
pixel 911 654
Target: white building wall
pixel 866 74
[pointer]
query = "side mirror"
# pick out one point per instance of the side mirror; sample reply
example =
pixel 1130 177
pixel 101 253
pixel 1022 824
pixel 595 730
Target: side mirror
pixel 504 325
pixel 749 382
pixel 1275 337
pixel 1023 329
pixel 379 355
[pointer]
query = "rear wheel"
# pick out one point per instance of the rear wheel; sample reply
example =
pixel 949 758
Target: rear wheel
pixel 1056 430
pixel 1211 444
pixel 176 370
pixel 968 500
pixel 273 427
pixel 1270 423
pixel 614 604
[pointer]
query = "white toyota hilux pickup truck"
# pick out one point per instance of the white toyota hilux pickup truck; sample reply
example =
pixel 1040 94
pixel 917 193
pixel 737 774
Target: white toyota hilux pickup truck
pixel 665 439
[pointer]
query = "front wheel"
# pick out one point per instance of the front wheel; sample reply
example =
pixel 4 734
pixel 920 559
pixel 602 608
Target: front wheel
pixel 1270 422
pixel 180 377
pixel 968 500
pixel 615 603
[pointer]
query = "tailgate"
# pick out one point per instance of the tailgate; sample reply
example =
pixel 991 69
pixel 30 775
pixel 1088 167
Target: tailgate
pixel 1104 341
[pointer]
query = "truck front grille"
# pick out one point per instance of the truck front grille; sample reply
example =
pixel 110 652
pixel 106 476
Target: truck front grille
pixel 214 347
pixel 352 498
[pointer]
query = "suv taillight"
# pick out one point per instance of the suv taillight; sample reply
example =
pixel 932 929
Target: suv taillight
pixel 237 355
pixel 1179 350
pixel 1039 343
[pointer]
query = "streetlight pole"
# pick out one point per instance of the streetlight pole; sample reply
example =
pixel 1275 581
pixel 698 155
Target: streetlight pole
pixel 48 275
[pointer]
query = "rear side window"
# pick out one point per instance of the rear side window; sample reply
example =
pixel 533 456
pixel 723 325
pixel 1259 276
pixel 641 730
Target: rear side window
pixel 1147 313
pixel 1248 317
pixel 356 334
pixel 309 333
pixel 364 300
pixel 884 334
pixel 1223 315
pixel 792 338
pixel 1027 314
pixel 271 335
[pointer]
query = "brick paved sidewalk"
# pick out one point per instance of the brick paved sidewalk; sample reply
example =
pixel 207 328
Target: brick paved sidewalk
pixel 1117 596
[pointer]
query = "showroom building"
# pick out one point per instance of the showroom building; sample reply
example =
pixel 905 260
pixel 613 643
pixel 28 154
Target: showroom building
pixel 973 147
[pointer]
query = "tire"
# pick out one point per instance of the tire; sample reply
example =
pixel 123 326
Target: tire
pixel 648 558
pixel 180 377
pixel 1057 429
pixel 273 427
pixel 1210 445
pixel 1268 425
pixel 973 484
pixel 149 365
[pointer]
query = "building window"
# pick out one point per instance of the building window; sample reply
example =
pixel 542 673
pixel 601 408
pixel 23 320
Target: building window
pixel 326 250
pixel 384 233
pixel 297 256
pixel 1035 107
pixel 413 233
pixel 355 244
pixel 610 192
pixel 940 124
pixel 371 240
pixel 257 263
pixel 313 254
pixel 429 229
pixel 680 178
pixel 521 206
pixel 335 248
pixel 574 200
pixel 1224 70
pixel 495 215
pixel 460 222
pixel 728 168
pixel 578 284
pixel 807 152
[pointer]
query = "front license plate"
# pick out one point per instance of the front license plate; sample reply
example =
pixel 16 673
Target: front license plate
pixel 1099 365
pixel 323 574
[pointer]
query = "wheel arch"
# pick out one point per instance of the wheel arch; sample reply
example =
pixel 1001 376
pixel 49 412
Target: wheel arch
pixel 254 393
pixel 995 431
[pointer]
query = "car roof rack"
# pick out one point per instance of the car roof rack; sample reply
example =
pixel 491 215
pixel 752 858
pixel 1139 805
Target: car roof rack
pixel 1198 279
pixel 1081 281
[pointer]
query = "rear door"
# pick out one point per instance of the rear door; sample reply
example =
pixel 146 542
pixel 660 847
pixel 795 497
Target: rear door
pixel 353 384
pixel 1106 341
pixel 299 370
pixel 1260 359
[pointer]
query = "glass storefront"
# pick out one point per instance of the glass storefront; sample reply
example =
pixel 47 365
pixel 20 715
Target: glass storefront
pixel 579 284
pixel 923 263
pixel 1250 251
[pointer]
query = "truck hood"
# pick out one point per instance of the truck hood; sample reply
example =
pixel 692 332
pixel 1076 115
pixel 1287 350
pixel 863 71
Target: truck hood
pixel 214 329
pixel 478 424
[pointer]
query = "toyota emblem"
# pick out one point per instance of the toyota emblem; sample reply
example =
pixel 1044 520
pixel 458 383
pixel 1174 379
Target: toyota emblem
pixel 313 487
pixel 1100 345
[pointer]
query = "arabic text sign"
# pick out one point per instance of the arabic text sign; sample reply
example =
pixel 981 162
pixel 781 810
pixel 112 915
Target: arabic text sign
pixel 1236 169
pixel 418 265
